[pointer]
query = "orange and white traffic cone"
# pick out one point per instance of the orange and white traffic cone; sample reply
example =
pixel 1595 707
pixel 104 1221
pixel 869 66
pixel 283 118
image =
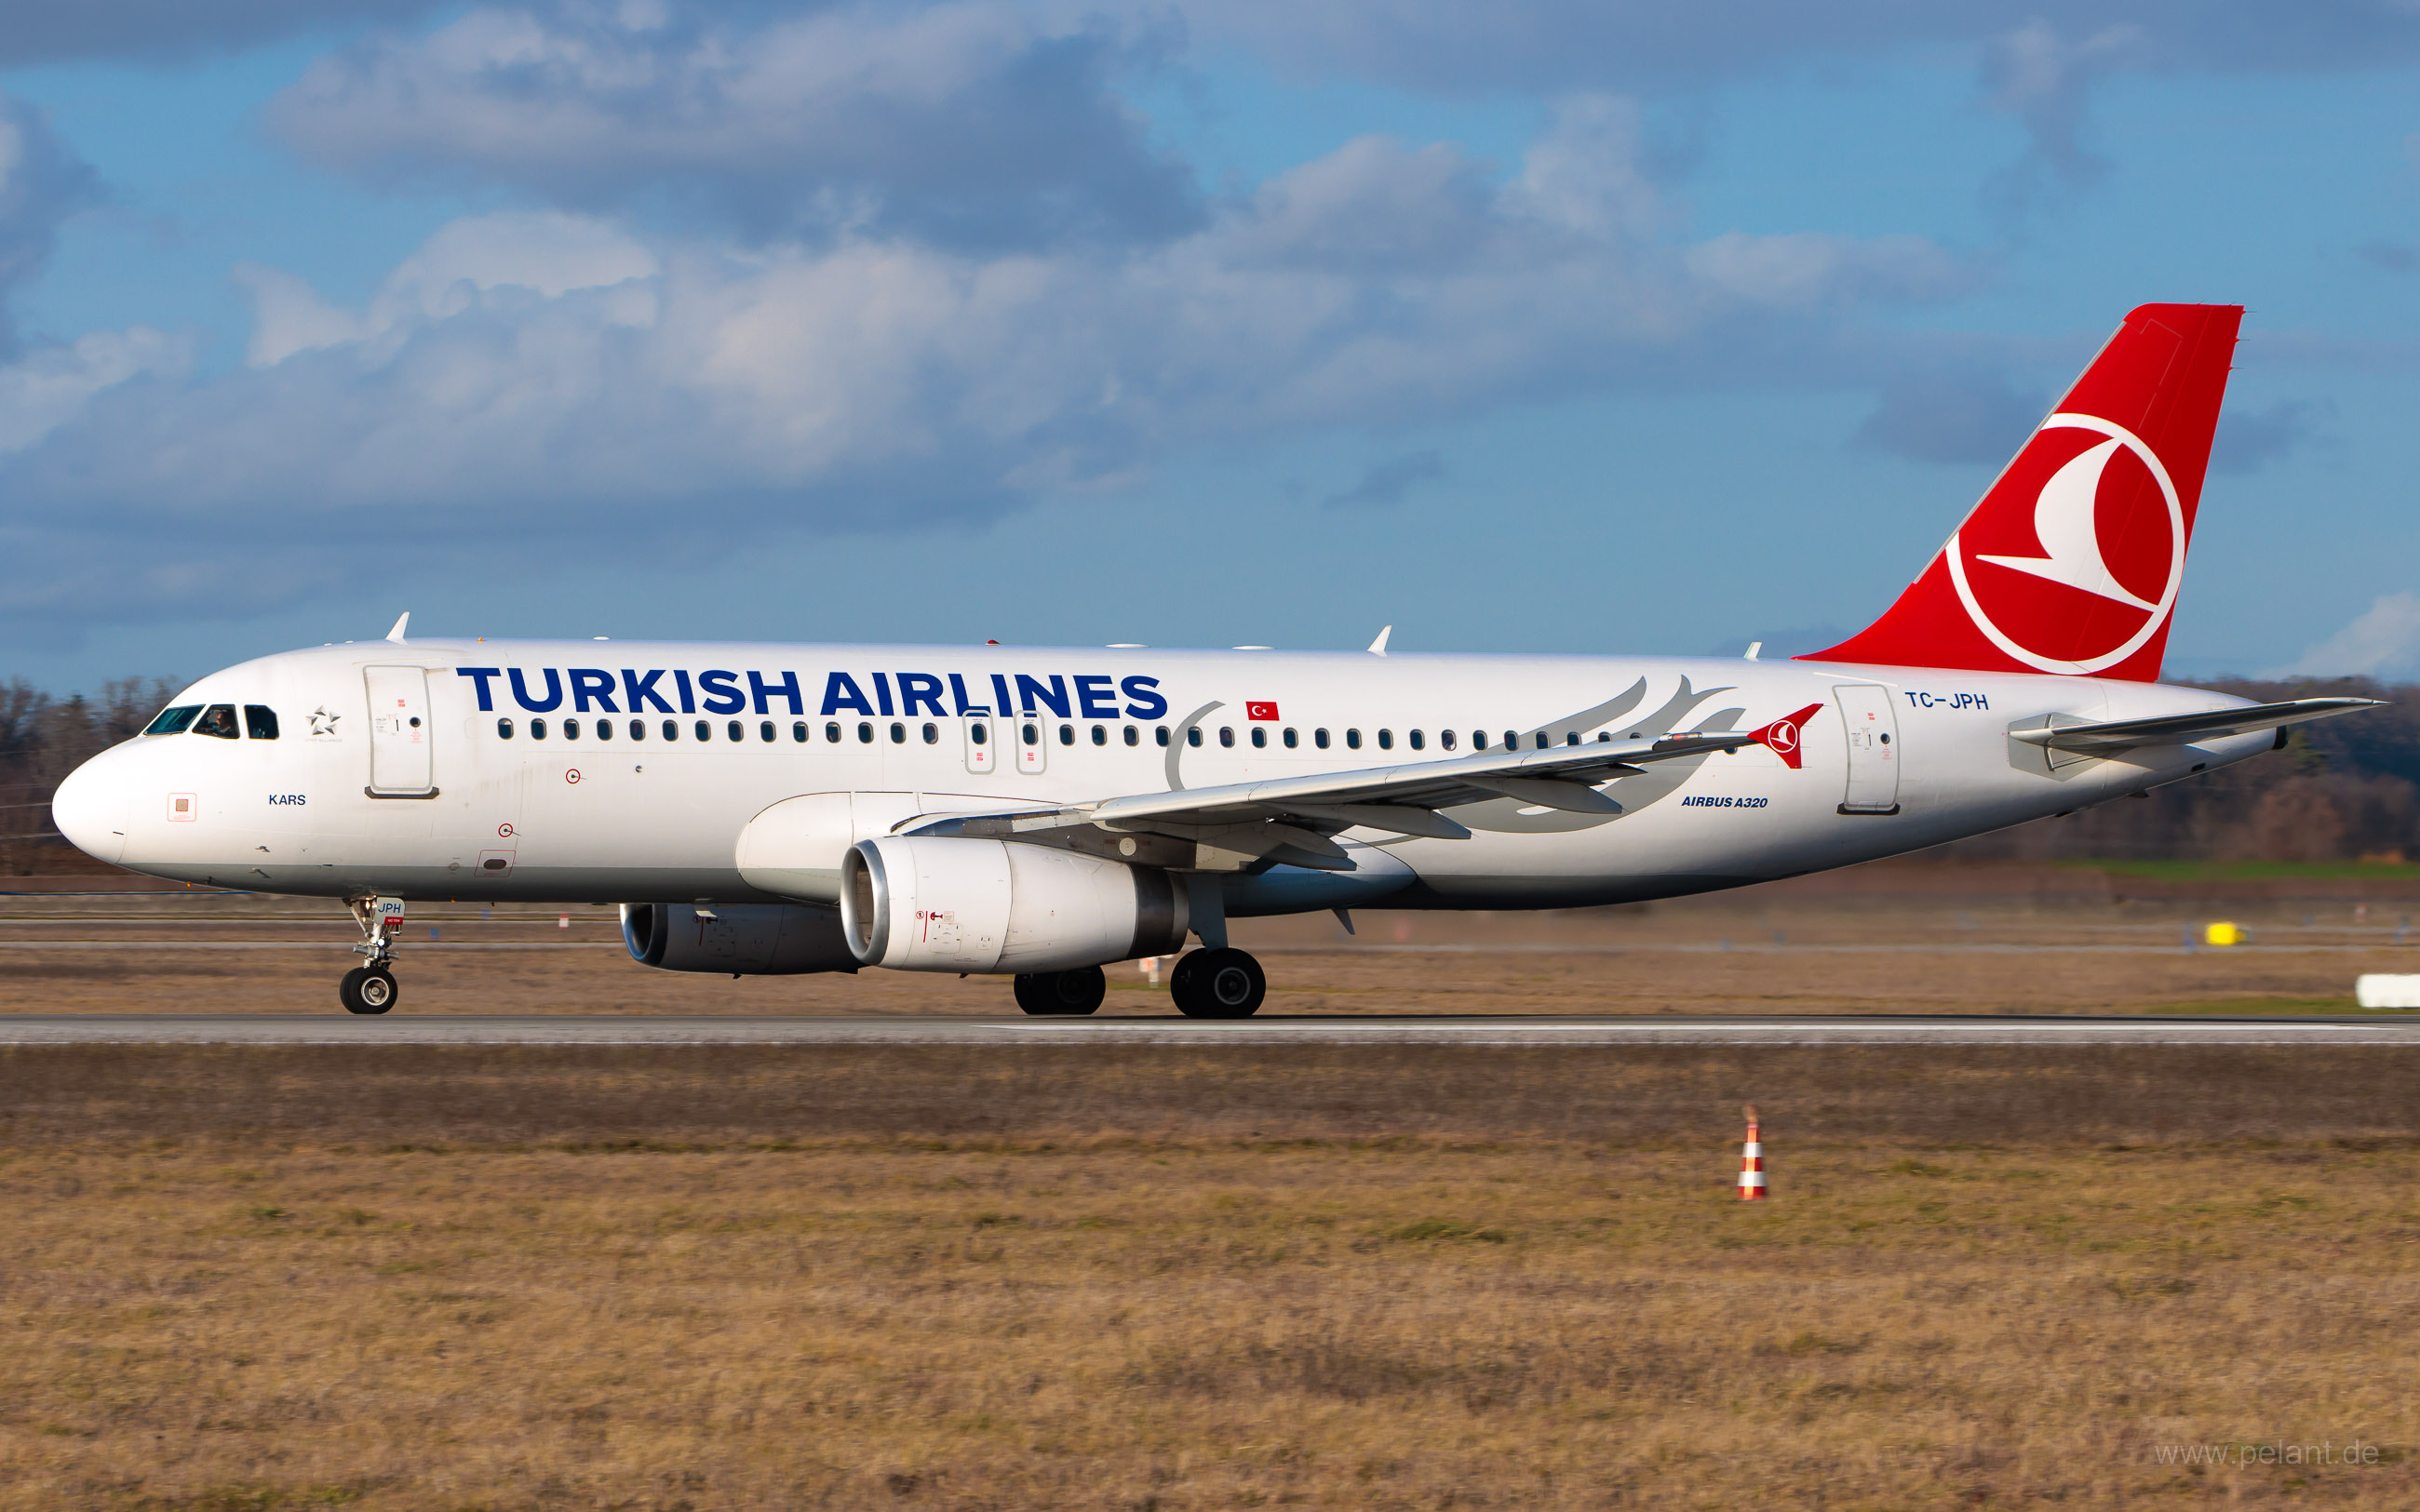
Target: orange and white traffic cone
pixel 1751 1181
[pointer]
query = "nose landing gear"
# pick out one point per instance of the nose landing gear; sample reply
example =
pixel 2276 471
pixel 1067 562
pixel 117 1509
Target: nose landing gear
pixel 367 990
pixel 370 988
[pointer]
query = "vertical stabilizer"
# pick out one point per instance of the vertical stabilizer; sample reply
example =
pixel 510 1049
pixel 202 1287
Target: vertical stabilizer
pixel 2074 559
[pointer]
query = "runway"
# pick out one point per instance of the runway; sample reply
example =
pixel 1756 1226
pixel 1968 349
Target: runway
pixel 404 1028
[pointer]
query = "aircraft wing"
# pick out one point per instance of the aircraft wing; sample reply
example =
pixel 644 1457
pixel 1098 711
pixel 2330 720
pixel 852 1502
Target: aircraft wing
pixel 1291 818
pixel 2183 728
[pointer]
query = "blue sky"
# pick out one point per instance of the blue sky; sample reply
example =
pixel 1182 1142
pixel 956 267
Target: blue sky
pixel 1536 326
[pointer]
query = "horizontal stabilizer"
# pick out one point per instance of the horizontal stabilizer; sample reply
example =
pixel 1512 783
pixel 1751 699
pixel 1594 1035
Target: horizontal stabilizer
pixel 2184 728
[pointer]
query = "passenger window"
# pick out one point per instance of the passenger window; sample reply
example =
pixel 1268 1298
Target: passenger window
pixel 1319 738
pixel 1386 740
pixel 638 730
pixel 1542 740
pixel 979 733
pixel 733 731
pixel 1134 737
pixel 1227 736
pixel 1571 737
pixel 932 735
pixel 537 729
pixel 1292 740
pixel 704 731
pixel 1028 734
pixel 831 731
pixel 864 733
pixel 1417 740
pixel 604 728
pixel 799 731
pixel 1511 740
pixel 1353 740
pixel 1067 734
pixel 1193 737
pixel 1100 734
pixel 1604 735
pixel 218 721
pixel 1445 738
pixel 503 730
pixel 1260 738
pixel 1161 731
pixel 1478 740
pixel 260 723
pixel 672 729
pixel 571 730
pixel 174 721
pixel 765 731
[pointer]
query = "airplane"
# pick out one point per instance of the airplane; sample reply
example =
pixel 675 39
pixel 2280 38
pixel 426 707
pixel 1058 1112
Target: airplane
pixel 1041 812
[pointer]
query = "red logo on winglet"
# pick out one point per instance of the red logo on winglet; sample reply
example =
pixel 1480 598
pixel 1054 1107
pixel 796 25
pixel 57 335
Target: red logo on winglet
pixel 1260 711
pixel 1784 736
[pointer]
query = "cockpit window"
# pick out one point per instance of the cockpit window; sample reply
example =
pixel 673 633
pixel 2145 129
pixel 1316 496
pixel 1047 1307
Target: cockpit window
pixel 175 721
pixel 259 721
pixel 218 719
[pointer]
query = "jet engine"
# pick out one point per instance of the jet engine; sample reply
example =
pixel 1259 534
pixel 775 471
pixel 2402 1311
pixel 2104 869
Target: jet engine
pixel 740 940
pixel 917 902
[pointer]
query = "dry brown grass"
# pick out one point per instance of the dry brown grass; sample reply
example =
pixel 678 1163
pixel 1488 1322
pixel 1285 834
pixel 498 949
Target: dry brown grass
pixel 1156 1277
pixel 1760 951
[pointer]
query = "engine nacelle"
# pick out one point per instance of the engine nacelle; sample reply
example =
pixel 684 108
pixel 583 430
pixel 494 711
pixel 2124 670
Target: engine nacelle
pixel 919 902
pixel 740 940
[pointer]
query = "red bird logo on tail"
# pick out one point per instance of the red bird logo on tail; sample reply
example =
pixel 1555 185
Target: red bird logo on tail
pixel 1785 737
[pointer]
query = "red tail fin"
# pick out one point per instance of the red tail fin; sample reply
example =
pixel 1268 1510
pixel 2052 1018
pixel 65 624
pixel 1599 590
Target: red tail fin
pixel 2072 561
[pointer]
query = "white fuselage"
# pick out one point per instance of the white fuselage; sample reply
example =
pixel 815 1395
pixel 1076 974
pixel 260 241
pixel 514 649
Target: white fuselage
pixel 471 804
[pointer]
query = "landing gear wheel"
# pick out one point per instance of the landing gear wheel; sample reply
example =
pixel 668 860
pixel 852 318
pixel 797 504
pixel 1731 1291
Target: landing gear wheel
pixel 367 990
pixel 1049 993
pixel 1217 985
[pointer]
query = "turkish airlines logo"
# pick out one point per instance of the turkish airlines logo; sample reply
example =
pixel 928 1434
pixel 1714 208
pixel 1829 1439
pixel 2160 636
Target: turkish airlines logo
pixel 2031 625
pixel 1257 710
pixel 1785 737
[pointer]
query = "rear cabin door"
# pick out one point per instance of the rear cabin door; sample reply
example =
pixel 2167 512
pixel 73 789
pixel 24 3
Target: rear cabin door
pixel 1874 749
pixel 399 733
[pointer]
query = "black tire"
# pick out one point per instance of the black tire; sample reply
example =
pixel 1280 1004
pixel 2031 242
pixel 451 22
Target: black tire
pixel 367 990
pixel 1051 994
pixel 1217 985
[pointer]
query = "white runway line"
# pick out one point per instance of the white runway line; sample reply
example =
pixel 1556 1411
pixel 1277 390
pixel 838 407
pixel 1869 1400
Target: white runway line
pixel 567 1029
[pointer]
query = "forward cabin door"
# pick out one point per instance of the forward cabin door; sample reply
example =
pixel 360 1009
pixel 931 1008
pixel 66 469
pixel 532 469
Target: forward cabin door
pixel 1874 749
pixel 399 733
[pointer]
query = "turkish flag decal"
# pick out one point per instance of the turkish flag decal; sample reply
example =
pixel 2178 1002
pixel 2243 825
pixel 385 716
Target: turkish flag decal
pixel 1256 710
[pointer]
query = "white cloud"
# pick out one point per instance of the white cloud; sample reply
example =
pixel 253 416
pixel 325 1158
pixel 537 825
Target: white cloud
pixel 546 253
pixel 541 377
pixel 2383 641
pixel 48 386
pixel 968 123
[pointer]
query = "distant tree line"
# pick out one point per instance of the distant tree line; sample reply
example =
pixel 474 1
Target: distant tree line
pixel 2341 789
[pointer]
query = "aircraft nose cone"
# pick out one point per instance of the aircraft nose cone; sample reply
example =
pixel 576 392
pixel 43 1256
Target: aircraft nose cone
pixel 89 808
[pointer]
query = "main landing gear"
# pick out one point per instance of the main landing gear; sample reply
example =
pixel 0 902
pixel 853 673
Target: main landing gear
pixel 370 988
pixel 1077 992
pixel 1218 984
pixel 1207 984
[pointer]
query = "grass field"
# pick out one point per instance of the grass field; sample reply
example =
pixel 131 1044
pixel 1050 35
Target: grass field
pixel 1157 1278
pixel 1759 951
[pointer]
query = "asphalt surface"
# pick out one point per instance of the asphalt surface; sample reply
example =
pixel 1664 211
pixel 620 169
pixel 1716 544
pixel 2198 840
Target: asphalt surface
pixel 404 1028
